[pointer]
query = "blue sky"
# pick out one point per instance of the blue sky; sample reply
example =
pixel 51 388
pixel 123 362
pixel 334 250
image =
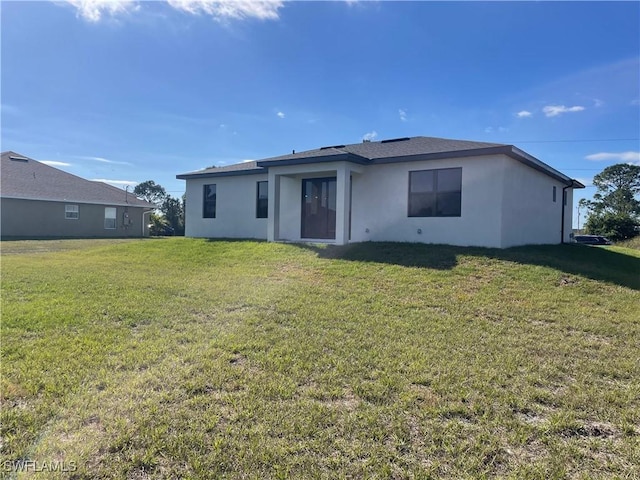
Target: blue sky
pixel 130 91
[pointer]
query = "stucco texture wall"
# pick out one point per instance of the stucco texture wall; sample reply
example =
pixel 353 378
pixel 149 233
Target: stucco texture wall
pixel 235 208
pixel 380 205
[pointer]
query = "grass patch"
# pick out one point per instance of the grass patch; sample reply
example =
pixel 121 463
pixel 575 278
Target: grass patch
pixel 186 358
pixel 631 243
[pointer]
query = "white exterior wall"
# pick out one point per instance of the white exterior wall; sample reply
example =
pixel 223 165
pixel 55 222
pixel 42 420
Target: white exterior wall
pixel 381 196
pixel 530 214
pixel 235 208
pixel 504 203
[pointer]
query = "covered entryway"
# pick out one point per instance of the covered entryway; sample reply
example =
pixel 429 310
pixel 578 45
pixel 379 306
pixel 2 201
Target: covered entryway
pixel 311 202
pixel 318 208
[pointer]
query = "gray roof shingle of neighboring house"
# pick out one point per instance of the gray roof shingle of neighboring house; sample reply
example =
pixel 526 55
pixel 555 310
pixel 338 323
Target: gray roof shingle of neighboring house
pixel 385 151
pixel 25 178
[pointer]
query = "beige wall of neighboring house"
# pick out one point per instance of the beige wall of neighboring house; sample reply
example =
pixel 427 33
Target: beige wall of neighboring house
pixel 42 219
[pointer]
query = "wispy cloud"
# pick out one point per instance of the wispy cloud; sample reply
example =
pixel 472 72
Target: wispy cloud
pixel 555 110
pixel 370 136
pixel 629 157
pixel 635 102
pixel 234 9
pixel 403 114
pixel 10 109
pixel 54 163
pixel 523 114
pixel 496 129
pixel 104 160
pixel 280 114
pixel 94 10
pixel 597 103
pixel 115 182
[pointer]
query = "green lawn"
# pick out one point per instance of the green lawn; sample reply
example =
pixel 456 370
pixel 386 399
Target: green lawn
pixel 186 358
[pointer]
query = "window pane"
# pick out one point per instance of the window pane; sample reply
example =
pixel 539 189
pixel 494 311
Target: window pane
pixel 209 201
pixel 422 204
pixel 449 204
pixel 262 204
pixel 449 179
pixel 422 181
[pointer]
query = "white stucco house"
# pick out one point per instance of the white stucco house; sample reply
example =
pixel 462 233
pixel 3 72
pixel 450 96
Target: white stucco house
pixel 419 189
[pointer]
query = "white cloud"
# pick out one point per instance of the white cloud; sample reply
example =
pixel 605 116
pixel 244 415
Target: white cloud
pixel 115 182
pixel 523 114
pixel 280 114
pixel 93 10
pixel 555 110
pixel 370 136
pixel 54 163
pixel 104 160
pixel 237 9
pixel 629 157
pixel 597 102
pixel 403 114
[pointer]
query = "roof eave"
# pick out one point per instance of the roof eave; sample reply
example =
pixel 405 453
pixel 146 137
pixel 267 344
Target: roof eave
pixel 226 173
pixel 84 202
pixel 341 157
pixel 533 162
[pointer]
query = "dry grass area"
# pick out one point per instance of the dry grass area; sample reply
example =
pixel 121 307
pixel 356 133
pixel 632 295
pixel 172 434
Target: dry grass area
pixel 185 358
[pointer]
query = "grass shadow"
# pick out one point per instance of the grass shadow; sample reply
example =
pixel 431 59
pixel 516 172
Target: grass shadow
pixel 597 263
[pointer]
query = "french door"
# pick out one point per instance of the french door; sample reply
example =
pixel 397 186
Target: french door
pixel 319 208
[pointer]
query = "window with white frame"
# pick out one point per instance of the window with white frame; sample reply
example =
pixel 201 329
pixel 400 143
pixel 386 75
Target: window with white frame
pixel 71 212
pixel 110 218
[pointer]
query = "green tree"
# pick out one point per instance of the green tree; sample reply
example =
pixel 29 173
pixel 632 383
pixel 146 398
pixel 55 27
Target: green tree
pixel 615 208
pixel 151 192
pixel 173 211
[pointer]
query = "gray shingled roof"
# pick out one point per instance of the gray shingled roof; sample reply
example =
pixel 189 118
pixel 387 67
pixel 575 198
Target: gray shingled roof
pixel 244 168
pixel 385 151
pixel 25 178
pixel 391 148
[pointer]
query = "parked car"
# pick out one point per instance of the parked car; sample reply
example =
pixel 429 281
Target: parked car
pixel 592 240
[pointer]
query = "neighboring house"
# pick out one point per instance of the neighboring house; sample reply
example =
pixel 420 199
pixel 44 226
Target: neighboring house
pixel 39 201
pixel 420 189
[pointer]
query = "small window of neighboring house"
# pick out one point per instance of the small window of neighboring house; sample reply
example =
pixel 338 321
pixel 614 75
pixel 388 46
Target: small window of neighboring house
pixel 262 200
pixel 564 198
pixel 435 193
pixel 554 193
pixel 71 212
pixel 110 218
pixel 209 201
